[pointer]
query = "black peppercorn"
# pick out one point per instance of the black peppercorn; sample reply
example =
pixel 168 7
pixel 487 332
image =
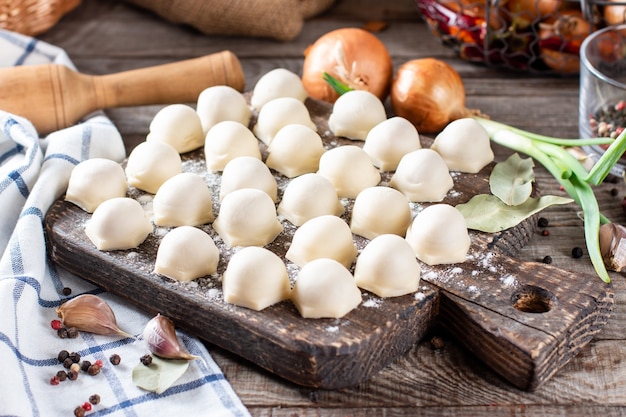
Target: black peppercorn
pixel 67 362
pixel 547 259
pixel 94 399
pixel 543 222
pixel 62 375
pixel 72 375
pixel 63 355
pixel 72 333
pixel 67 291
pixel 62 333
pixel 115 359
pixel 577 252
pixel 93 370
pixel 146 359
pixel 85 365
pixel 614 192
pixel 79 411
pixel 75 357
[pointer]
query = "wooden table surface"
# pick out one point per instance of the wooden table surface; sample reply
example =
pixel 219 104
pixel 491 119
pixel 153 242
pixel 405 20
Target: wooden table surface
pixel 105 36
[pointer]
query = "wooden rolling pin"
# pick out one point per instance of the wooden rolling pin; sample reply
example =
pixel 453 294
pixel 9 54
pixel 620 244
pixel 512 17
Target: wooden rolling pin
pixel 53 96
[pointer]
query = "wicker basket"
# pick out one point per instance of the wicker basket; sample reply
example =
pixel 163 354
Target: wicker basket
pixel 32 17
pixel 496 33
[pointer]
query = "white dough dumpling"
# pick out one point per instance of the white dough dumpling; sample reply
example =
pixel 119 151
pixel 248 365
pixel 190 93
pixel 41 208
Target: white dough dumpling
pixel 94 181
pixel 422 176
pixel 350 170
pixel 355 113
pixel 117 224
pixel 387 267
pixel 179 126
pixel 228 140
pixel 248 172
pixel 380 210
pixel 219 103
pixel 322 237
pixel 255 278
pixel 308 196
pixel 186 253
pixel 387 142
pixel 247 217
pixel 150 164
pixel 295 150
pixel 465 146
pixel 183 200
pixel 325 289
pixel 278 113
pixel 438 235
pixel 277 83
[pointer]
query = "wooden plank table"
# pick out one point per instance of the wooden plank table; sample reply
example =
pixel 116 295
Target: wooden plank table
pixel 437 377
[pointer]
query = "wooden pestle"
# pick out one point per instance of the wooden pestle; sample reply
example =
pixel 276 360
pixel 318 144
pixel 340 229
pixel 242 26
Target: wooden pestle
pixel 54 96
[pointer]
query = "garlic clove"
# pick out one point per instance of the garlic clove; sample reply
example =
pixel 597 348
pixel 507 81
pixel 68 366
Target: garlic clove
pixel 613 246
pixel 160 336
pixel 89 313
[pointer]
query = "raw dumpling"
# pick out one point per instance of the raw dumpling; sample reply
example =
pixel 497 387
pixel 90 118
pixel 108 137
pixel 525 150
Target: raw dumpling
pixel 255 278
pixel 183 200
pixel 247 217
pixel 107 174
pixel 118 223
pixel 150 164
pixel 355 113
pixel 387 142
pixel 280 112
pixel 226 141
pixel 279 82
pixel 422 176
pixel 186 253
pixel 219 103
pixel 295 150
pixel 350 170
pixel 438 235
pixel 465 146
pixel 387 267
pixel 325 289
pixel 309 196
pixel 380 210
pixel 179 126
pixel 248 172
pixel 322 237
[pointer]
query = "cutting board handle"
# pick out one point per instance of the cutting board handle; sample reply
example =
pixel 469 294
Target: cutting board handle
pixel 54 96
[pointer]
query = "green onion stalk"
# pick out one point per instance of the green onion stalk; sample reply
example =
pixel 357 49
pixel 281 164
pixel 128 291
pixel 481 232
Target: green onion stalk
pixel 569 172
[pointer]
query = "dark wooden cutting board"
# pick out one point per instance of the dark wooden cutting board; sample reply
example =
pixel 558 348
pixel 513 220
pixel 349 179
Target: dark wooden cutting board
pixel 523 319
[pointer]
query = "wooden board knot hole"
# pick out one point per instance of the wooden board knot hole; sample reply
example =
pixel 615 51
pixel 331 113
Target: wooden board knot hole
pixel 533 299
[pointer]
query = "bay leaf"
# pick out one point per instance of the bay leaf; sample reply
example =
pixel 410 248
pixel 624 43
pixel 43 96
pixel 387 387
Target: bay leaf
pixel 160 374
pixel 488 213
pixel 511 180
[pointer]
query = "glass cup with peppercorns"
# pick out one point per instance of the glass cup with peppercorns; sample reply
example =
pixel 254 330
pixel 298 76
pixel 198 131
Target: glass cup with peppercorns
pixel 602 102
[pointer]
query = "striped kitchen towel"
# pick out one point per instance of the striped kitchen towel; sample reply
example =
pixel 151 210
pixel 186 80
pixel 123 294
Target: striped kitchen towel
pixel 34 172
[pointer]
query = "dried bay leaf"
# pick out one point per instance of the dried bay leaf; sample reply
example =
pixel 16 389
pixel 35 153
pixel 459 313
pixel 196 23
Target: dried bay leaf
pixel 511 180
pixel 488 213
pixel 160 374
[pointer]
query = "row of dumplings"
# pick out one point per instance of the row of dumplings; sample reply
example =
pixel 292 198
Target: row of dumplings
pixel 248 194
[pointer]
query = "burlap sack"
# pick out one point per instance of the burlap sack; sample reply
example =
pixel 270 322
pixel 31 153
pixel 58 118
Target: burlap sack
pixel 277 19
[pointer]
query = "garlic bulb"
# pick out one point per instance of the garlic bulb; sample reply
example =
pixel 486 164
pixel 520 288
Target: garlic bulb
pixel 160 336
pixel 613 246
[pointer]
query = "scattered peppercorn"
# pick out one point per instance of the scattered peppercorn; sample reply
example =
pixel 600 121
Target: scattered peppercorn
pixel 577 252
pixel 79 412
pixel 56 324
pixel 614 192
pixel 99 363
pixel 545 233
pixel 54 380
pixel 67 362
pixel 72 333
pixel 547 259
pixel 62 375
pixel 75 367
pixel 543 222
pixel 93 370
pixel 115 359
pixel 67 291
pixel 62 333
pixel 437 342
pixel 75 357
pixel 94 399
pixel 86 406
pixel 62 356
pixel 72 375
pixel 146 359
pixel 85 365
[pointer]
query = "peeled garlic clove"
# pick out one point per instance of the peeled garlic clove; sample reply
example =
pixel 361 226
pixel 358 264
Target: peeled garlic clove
pixel 90 313
pixel 160 336
pixel 613 246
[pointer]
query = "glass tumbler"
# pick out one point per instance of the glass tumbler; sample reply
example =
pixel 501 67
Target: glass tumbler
pixel 602 101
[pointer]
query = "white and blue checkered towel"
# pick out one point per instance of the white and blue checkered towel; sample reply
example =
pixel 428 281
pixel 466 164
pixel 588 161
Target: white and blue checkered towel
pixel 34 172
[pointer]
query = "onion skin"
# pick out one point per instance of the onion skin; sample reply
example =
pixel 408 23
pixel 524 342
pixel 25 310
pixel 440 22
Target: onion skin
pixel 353 56
pixel 429 93
pixel 614 14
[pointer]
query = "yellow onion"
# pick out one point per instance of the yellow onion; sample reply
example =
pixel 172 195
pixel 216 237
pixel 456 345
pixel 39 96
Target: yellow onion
pixel 89 313
pixel 354 56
